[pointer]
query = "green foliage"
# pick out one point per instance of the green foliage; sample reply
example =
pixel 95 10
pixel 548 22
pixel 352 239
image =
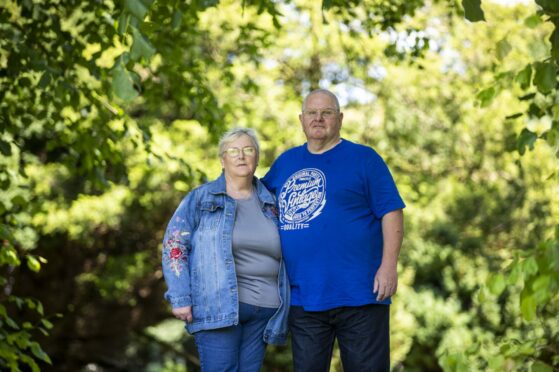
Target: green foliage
pixel 532 280
pixel 17 347
pixel 538 80
pixel 110 113
pixel 473 11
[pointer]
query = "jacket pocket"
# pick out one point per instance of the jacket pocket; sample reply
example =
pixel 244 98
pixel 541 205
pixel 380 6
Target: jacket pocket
pixel 211 213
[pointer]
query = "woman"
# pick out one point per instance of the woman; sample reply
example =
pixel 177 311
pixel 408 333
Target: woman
pixel 222 263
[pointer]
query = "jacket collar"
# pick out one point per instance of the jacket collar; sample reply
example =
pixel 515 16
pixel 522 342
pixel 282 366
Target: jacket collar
pixel 218 186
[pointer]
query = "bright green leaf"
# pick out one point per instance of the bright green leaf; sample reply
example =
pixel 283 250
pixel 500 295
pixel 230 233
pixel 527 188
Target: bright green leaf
pixel 497 284
pixel 542 288
pixel 496 362
pixel 39 353
pixel 539 366
pixel 530 266
pixel 473 11
pixel 545 78
pixel 486 96
pixel 8 255
pixel 527 306
pixel 33 264
pixel 40 308
pixel 46 324
pixel 515 273
pixel 30 303
pixel 533 21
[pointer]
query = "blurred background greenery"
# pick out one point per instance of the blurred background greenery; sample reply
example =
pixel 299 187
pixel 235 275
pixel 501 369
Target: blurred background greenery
pixel 110 112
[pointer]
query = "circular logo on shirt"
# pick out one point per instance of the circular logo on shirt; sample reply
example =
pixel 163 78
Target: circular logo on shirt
pixel 302 196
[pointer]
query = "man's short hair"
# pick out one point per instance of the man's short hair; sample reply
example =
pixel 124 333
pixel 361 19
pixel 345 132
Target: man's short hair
pixel 323 91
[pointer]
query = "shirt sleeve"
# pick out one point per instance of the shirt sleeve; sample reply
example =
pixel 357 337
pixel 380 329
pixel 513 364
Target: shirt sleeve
pixel 176 252
pixel 383 195
pixel 268 179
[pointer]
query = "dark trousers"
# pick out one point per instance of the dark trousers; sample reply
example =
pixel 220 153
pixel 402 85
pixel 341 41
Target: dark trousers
pixel 362 333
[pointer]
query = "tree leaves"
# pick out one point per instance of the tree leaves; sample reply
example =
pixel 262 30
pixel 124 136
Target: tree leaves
pixel 136 8
pixel 141 47
pixel 545 78
pixel 497 284
pixel 473 11
pixel 524 77
pixel 33 263
pixel 39 353
pixel 486 96
pixel 503 49
pixel 5 148
pixel 549 6
pixel 526 138
pixel 123 84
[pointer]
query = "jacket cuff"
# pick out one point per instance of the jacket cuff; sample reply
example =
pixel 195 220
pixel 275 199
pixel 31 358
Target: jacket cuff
pixel 181 301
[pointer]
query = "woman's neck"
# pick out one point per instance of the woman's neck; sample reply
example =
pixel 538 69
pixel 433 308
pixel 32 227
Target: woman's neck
pixel 238 187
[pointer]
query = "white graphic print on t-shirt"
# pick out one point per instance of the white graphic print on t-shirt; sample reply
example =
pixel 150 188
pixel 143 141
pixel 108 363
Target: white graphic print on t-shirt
pixel 302 198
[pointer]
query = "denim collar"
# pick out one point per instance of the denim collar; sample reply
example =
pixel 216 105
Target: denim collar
pixel 217 186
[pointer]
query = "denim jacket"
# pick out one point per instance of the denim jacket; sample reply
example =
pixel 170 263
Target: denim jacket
pixel 198 263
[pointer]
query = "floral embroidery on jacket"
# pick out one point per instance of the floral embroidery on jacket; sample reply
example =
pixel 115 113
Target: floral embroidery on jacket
pixel 174 254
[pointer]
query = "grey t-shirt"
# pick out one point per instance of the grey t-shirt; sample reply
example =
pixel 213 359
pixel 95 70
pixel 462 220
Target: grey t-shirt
pixel 257 253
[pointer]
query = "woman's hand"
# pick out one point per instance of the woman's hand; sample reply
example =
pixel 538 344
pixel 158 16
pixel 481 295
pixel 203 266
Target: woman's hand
pixel 183 313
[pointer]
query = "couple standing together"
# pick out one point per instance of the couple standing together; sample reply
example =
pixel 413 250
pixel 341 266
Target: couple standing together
pixel 312 247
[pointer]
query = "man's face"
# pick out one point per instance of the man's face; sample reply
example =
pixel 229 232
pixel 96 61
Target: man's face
pixel 320 119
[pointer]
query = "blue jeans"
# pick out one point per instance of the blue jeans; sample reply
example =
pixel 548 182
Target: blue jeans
pixel 238 348
pixel 362 333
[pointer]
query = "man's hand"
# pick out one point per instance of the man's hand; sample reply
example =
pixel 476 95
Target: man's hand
pixel 386 282
pixel 183 313
pixel 386 279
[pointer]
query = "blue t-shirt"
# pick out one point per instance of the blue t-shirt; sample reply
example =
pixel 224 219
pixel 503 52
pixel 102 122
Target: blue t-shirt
pixel 331 206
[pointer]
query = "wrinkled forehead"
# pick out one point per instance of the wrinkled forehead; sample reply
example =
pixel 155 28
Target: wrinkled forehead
pixel 241 140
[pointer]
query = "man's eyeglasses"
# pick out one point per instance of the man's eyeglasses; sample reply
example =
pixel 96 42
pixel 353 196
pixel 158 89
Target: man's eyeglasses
pixel 325 114
pixel 235 152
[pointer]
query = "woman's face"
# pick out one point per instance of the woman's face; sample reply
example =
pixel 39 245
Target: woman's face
pixel 239 158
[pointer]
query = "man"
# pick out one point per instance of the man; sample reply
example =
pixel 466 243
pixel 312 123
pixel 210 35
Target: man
pixel 341 228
